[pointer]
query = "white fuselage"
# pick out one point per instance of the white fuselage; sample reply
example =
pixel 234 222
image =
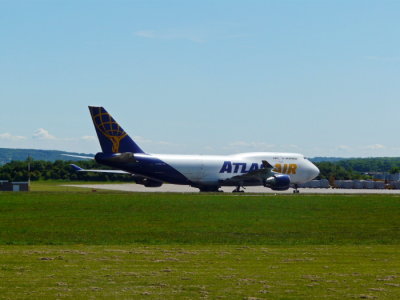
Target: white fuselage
pixel 212 169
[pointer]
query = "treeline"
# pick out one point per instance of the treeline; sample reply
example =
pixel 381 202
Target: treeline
pixel 61 170
pixel 381 164
pixel 58 170
pixel 356 168
pixel 332 171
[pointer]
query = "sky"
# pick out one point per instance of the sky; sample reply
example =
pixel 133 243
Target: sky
pixel 319 78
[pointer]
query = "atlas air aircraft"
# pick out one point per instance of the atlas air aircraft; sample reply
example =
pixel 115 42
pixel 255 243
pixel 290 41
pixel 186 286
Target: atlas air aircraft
pixel 277 171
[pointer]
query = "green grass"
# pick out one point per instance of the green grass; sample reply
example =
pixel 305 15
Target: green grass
pixel 198 272
pixel 79 245
pixel 129 218
pixel 61 186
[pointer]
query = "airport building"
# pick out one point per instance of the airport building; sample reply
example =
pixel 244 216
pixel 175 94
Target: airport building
pixel 384 176
pixel 6 186
pixel 377 184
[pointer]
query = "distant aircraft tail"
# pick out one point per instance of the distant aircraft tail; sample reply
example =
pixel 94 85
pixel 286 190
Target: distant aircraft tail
pixel 112 138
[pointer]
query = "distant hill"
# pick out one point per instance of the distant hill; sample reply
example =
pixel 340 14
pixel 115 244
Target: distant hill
pixel 9 154
pixel 330 159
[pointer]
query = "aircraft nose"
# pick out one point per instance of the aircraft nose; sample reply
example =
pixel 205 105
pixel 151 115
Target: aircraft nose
pixel 313 171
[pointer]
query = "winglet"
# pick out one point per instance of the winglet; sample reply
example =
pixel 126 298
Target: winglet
pixel 267 165
pixel 76 168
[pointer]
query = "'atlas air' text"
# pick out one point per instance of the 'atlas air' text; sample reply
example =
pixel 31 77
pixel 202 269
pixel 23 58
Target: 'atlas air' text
pixel 236 167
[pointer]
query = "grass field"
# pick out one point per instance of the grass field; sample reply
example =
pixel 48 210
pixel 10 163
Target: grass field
pixel 130 245
pixel 62 186
pixel 198 272
pixel 128 218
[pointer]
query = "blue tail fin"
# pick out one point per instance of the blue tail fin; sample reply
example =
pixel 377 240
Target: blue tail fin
pixel 113 139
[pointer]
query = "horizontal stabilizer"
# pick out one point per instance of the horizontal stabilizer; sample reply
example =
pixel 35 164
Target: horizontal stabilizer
pixel 79 169
pixel 76 168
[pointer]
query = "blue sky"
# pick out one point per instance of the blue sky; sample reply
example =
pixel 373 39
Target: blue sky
pixel 207 77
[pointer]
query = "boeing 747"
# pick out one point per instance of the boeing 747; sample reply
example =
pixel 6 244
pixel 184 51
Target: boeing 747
pixel 277 171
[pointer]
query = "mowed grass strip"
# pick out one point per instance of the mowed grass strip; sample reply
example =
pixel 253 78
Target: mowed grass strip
pixel 64 186
pixel 129 218
pixel 199 271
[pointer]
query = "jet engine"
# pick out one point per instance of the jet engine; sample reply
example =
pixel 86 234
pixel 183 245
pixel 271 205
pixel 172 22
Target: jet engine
pixel 278 182
pixel 147 182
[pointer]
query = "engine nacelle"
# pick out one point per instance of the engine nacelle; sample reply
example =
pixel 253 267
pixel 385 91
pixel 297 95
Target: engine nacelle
pixel 147 182
pixel 278 182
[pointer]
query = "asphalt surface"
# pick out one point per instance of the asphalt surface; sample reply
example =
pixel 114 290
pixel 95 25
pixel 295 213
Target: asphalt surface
pixel 172 188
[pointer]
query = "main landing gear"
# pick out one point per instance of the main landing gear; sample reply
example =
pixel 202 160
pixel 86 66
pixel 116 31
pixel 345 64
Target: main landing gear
pixel 210 189
pixel 296 190
pixel 238 190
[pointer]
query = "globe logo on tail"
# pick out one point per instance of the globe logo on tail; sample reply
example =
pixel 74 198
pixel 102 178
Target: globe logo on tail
pixel 109 128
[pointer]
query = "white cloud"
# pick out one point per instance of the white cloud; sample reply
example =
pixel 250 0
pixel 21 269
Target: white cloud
pixel 343 148
pixel 375 147
pixel 293 146
pixel 10 137
pixel 239 144
pixel 209 148
pixel 251 144
pixel 244 146
pixel 42 134
pixel 384 58
pixel 150 34
pixel 170 35
pixel 141 140
pixel 88 138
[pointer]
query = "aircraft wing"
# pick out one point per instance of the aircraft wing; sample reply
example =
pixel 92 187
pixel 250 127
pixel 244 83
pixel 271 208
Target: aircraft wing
pixel 256 175
pixel 78 156
pixel 79 169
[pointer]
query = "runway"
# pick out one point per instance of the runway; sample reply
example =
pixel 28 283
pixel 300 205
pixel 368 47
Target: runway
pixel 172 188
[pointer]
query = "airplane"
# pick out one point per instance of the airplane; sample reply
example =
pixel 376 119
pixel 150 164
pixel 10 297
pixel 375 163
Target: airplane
pixel 208 173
